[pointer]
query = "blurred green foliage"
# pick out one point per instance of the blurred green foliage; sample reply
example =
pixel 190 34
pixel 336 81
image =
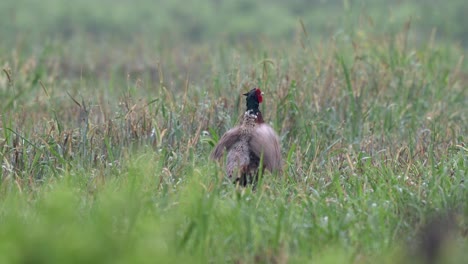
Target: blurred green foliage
pixel 210 20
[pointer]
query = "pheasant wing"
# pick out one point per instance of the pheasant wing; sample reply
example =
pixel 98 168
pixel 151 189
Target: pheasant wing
pixel 265 141
pixel 225 143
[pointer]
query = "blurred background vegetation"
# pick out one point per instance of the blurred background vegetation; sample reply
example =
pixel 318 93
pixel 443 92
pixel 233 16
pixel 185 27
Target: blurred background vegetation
pixel 195 21
pixel 115 39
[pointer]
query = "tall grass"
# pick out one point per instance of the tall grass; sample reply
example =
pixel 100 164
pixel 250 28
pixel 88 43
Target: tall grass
pixel 104 151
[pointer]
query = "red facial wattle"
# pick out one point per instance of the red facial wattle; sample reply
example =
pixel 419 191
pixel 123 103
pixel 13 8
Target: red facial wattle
pixel 258 93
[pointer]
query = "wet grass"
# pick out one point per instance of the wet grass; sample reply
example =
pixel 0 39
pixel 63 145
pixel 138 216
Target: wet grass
pixel 104 152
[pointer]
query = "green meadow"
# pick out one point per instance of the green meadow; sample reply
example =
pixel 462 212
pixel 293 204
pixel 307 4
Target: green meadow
pixel 109 111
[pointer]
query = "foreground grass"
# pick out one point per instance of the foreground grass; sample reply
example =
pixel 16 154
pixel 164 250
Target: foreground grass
pixel 139 215
pixel 104 152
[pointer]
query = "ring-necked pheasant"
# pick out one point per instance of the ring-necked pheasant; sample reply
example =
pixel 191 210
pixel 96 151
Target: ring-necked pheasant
pixel 247 144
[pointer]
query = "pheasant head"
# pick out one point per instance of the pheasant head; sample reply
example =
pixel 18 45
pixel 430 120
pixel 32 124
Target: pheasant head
pixel 253 99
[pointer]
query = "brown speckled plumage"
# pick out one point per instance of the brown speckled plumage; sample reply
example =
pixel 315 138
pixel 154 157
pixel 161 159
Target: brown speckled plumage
pixel 238 157
pixel 248 143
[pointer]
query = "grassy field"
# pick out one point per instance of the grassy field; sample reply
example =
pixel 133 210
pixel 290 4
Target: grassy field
pixel 109 111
